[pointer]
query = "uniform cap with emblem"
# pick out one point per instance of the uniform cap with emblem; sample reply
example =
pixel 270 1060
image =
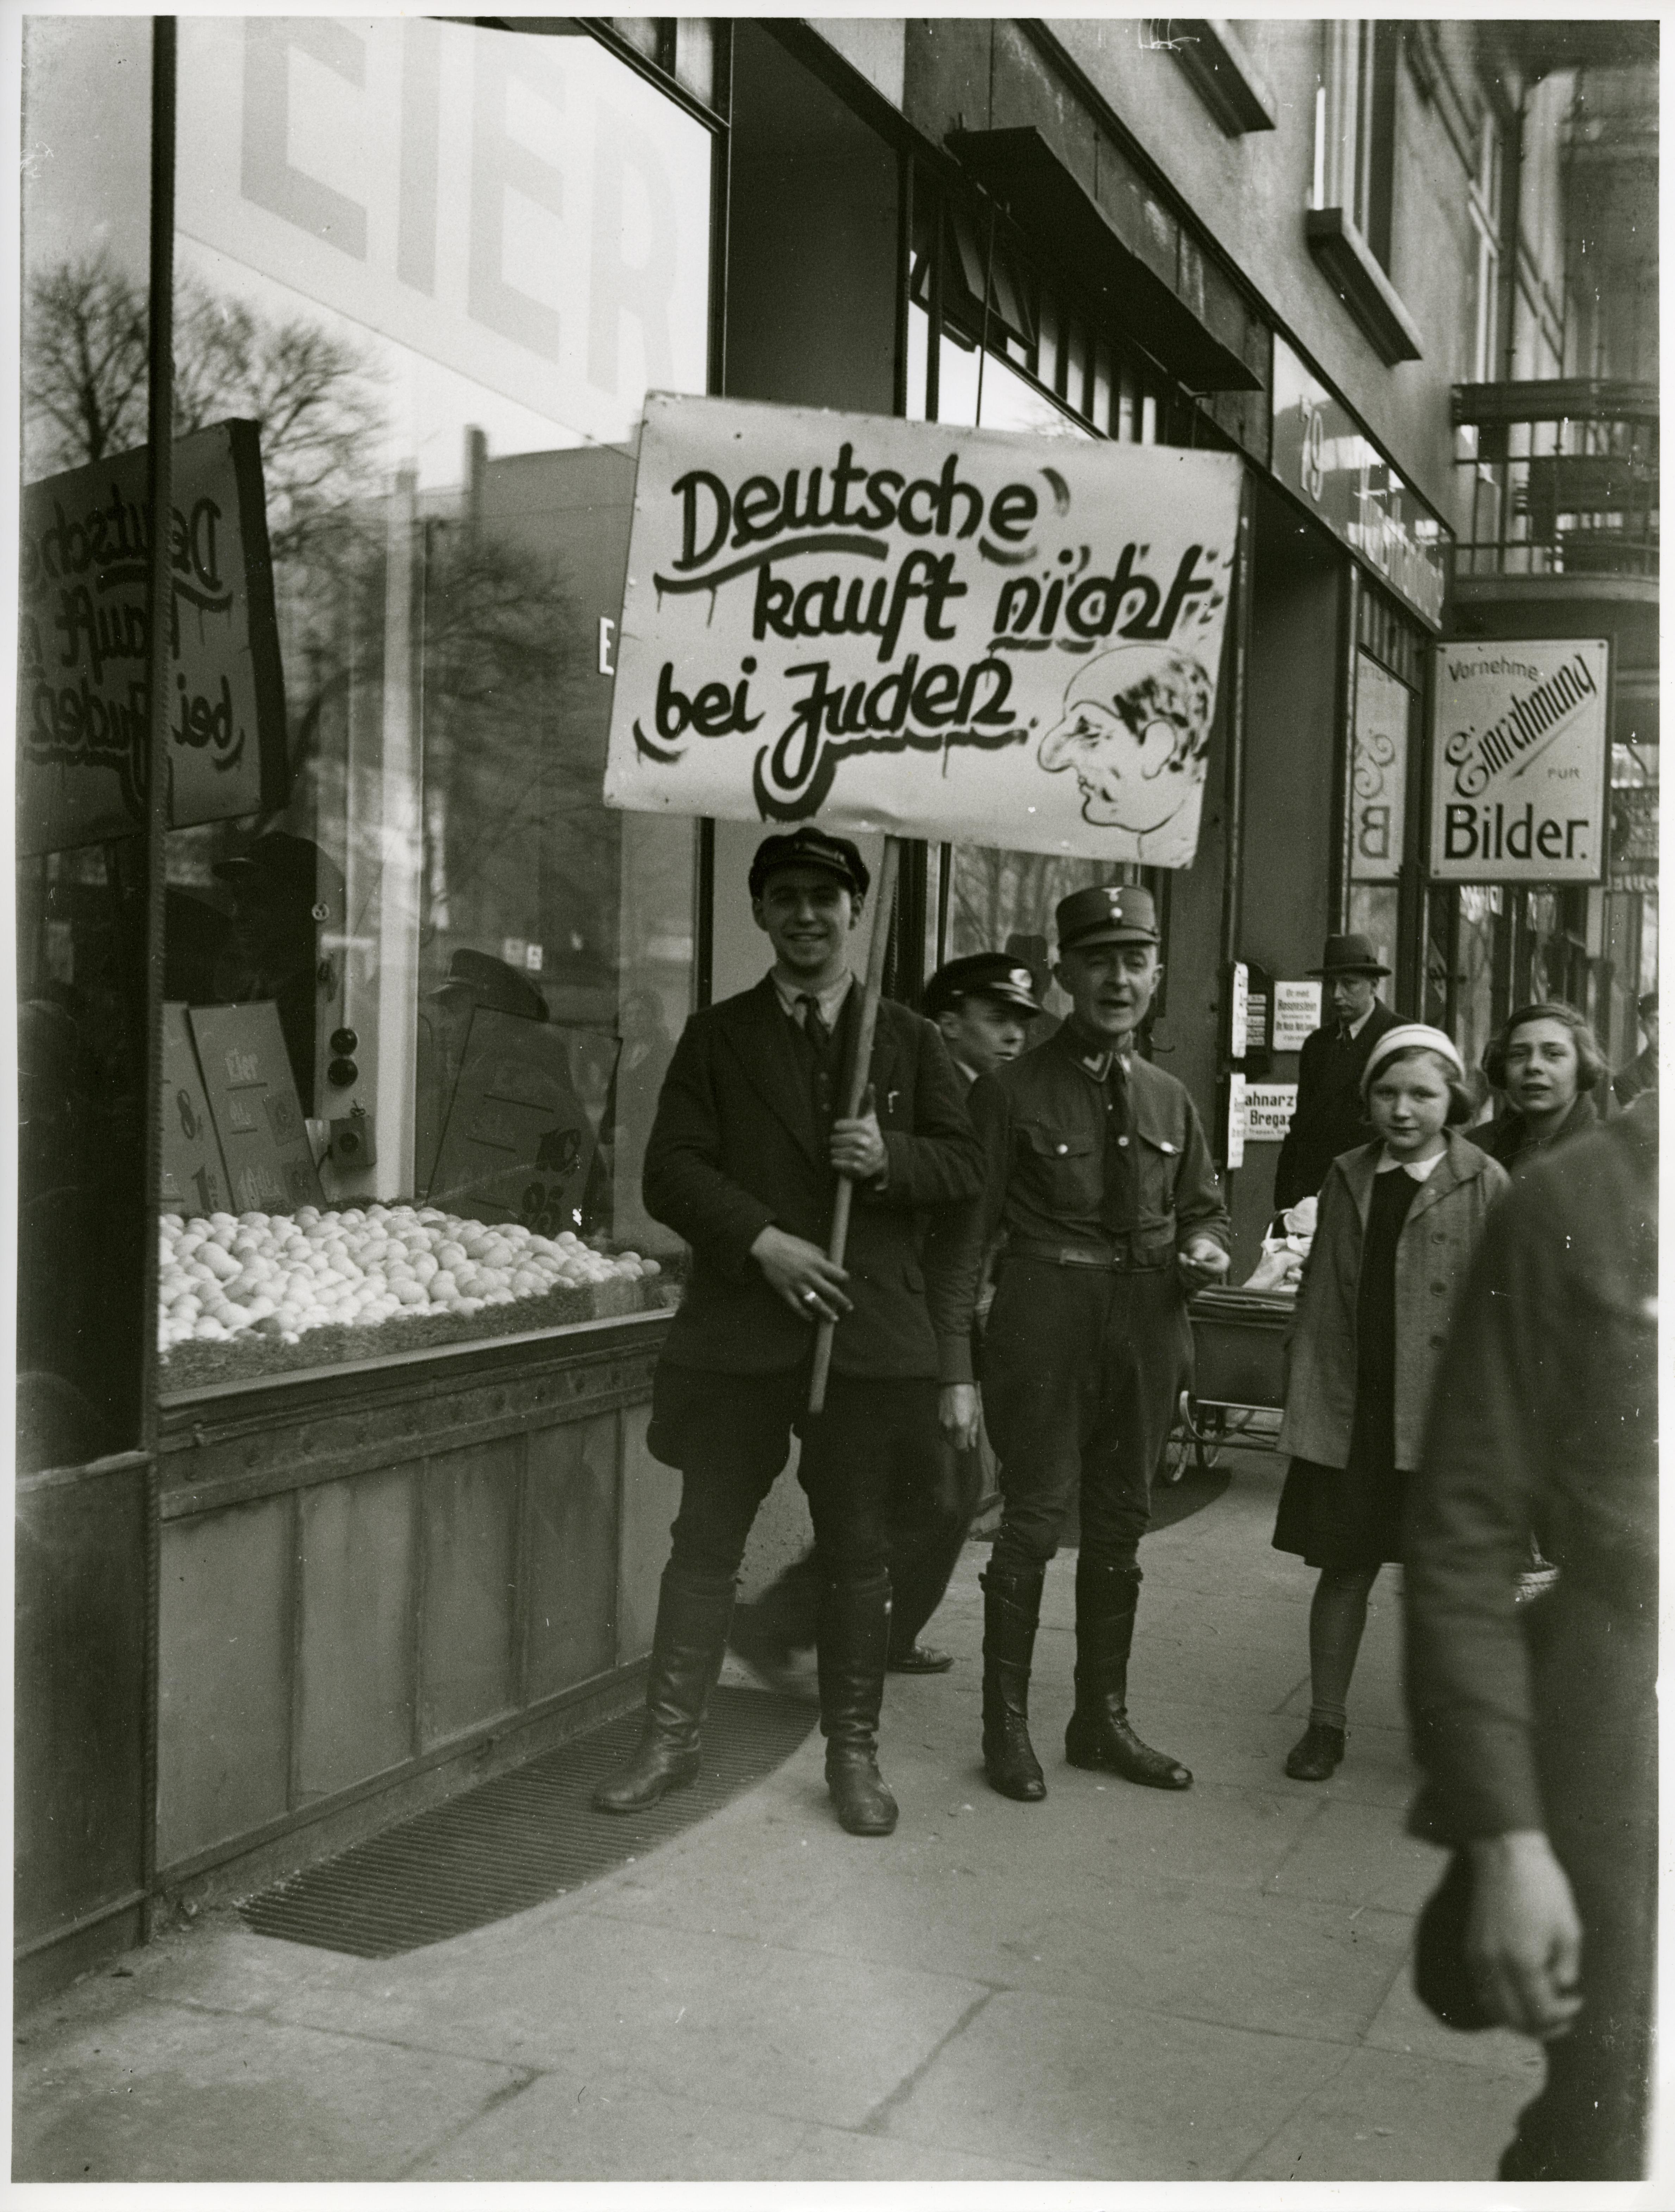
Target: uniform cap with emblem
pixel 982 976
pixel 808 848
pixel 1106 914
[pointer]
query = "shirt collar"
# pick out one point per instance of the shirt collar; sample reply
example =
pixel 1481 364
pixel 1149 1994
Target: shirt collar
pixel 1355 1028
pixel 1094 1061
pixel 1421 1171
pixel 830 1001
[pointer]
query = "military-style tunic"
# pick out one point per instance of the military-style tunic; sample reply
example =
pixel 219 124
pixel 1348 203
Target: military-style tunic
pixel 1096 1172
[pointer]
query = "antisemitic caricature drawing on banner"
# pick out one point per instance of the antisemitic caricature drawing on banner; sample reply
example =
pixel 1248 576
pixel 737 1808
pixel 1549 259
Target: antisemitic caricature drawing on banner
pixel 903 627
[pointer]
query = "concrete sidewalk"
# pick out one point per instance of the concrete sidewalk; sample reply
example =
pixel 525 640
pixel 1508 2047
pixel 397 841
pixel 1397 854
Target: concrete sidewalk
pixel 1116 1984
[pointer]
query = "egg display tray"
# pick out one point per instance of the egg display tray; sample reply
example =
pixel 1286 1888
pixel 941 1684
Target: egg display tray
pixel 199 1365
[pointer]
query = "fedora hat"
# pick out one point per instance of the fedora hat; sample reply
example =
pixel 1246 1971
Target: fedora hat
pixel 1350 956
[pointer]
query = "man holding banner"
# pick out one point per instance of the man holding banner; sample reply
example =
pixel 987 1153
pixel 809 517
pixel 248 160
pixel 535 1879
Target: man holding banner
pixel 1100 1175
pixel 929 631
pixel 740 1162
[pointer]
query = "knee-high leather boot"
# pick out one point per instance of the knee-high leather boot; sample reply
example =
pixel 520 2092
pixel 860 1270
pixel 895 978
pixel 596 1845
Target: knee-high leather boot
pixel 1099 1735
pixel 693 1613
pixel 1011 1611
pixel 853 1647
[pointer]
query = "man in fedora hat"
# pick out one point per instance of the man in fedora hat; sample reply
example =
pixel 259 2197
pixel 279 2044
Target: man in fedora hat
pixel 743 1162
pixel 1328 1117
pixel 1098 1173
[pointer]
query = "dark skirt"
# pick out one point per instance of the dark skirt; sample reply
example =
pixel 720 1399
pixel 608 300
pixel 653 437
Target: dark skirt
pixel 1341 1517
pixel 1351 1516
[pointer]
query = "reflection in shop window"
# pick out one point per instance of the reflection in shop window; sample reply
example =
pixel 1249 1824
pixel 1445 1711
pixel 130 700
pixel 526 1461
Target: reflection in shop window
pixel 428 996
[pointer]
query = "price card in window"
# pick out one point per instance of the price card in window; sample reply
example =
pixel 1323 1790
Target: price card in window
pixel 194 1175
pixel 258 1115
pixel 519 1143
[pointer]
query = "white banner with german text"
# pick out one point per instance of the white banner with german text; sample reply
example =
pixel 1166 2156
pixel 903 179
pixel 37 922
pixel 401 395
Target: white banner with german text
pixel 927 630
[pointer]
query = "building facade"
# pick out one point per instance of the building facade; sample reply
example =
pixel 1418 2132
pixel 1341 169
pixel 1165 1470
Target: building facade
pixel 372 965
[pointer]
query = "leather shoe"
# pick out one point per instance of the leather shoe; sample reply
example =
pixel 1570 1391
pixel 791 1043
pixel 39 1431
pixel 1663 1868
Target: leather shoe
pixel 920 1659
pixel 865 1807
pixel 1104 1741
pixel 1317 1753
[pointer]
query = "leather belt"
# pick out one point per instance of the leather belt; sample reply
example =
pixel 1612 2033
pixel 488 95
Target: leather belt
pixel 1078 1255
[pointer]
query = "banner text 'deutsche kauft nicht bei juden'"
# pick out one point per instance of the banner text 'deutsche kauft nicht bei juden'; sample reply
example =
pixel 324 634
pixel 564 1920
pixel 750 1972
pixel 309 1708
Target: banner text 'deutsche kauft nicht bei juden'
pixel 922 629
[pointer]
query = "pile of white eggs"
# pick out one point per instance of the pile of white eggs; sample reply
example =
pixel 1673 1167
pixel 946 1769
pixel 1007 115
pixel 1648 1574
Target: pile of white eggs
pixel 280 1274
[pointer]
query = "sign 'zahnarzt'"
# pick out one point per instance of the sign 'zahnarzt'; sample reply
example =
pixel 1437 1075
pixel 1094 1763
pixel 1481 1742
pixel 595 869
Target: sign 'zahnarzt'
pixel 921 629
pixel 1519 771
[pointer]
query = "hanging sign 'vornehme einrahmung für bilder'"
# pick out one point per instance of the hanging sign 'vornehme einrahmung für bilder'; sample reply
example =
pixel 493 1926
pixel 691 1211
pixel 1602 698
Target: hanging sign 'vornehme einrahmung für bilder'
pixel 1518 764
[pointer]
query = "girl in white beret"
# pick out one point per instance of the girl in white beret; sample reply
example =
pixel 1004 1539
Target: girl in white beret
pixel 1399 1221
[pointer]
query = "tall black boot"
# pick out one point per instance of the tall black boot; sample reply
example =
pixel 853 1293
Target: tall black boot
pixel 853 1647
pixel 1099 1735
pixel 1011 1611
pixel 693 1612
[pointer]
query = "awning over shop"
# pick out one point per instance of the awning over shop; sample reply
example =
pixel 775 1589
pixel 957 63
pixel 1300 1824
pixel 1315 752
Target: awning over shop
pixel 1026 177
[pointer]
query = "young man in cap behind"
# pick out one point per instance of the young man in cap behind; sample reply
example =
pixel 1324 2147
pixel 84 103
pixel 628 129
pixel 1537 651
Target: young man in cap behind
pixel 1329 1117
pixel 740 1162
pixel 1099 1174
pixel 982 1005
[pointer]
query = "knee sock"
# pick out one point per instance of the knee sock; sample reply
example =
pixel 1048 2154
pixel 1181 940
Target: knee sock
pixel 1335 1620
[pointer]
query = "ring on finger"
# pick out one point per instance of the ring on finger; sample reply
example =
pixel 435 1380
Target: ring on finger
pixel 811 1298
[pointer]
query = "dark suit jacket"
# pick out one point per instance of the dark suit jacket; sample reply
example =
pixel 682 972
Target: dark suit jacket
pixel 1544 1416
pixel 735 1148
pixel 1329 1119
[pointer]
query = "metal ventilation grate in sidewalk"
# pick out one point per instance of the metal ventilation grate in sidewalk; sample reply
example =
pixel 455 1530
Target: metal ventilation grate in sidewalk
pixel 524 1837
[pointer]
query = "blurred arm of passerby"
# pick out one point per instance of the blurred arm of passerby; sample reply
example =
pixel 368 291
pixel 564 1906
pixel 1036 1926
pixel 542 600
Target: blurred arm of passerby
pixel 1469 1520
pixel 1536 1730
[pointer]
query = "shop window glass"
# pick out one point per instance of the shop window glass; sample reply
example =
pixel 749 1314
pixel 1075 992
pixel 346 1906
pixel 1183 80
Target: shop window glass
pixel 83 1336
pixel 438 267
pixel 1010 401
pixel 1005 901
pixel 1480 908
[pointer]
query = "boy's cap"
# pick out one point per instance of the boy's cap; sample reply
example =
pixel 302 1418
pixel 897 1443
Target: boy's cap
pixel 982 975
pixel 810 849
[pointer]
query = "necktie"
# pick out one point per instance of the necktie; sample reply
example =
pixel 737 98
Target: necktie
pixel 1119 1206
pixel 823 1052
pixel 815 1029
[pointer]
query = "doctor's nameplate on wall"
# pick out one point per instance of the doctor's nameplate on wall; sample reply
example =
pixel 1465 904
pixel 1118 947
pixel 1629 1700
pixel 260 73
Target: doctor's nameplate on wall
pixel 1519 761
pixel 1269 1108
pixel 82 646
pixel 922 629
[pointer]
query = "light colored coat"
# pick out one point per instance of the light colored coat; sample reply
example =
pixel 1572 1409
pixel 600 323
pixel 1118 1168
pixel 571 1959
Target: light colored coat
pixel 1439 1239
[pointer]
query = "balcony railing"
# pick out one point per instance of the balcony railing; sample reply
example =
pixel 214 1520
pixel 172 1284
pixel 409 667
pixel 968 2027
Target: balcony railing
pixel 1564 479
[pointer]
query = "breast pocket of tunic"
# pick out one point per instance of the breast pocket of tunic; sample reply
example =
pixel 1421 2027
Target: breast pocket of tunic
pixel 1157 1165
pixel 1061 1168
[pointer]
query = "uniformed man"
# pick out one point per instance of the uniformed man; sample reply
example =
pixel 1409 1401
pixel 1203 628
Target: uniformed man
pixel 982 1005
pixel 1099 1176
pixel 1330 1117
pixel 740 1162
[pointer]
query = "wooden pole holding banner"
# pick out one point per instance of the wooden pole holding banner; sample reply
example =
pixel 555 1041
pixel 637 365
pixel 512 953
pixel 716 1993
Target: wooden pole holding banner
pixel 877 952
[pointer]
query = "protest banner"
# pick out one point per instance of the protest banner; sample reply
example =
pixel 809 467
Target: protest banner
pixel 84 646
pixel 922 629
pixel 1520 761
